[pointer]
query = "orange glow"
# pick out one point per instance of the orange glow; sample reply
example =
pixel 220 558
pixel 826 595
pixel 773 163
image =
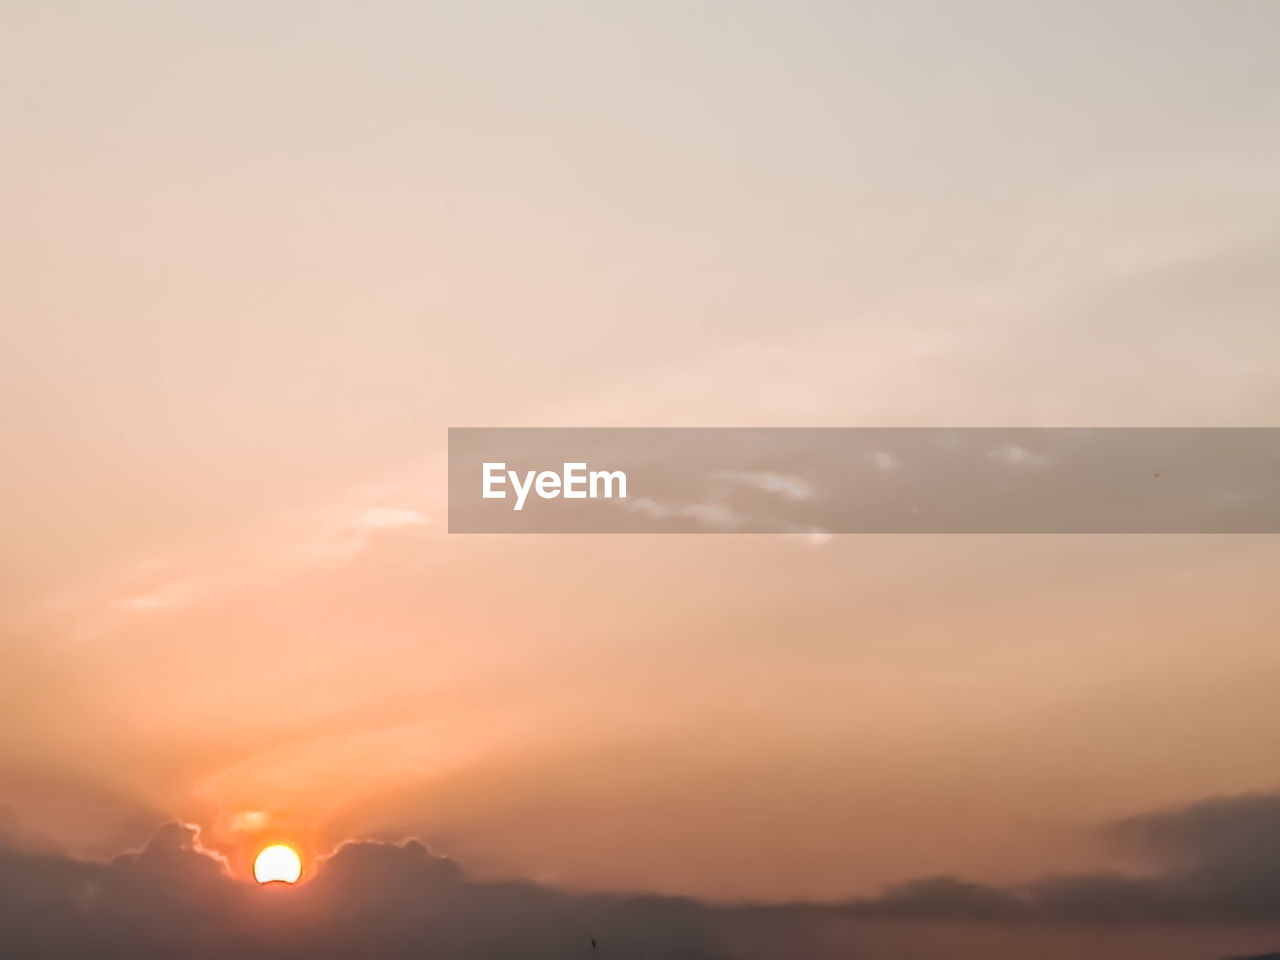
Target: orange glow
pixel 277 863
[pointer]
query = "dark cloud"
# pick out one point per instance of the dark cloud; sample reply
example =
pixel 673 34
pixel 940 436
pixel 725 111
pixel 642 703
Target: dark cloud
pixel 1216 862
pixel 945 898
pixel 369 900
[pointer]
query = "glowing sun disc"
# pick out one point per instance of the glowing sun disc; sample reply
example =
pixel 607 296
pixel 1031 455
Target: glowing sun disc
pixel 277 862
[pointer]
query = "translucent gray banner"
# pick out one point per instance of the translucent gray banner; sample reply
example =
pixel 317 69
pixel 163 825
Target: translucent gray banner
pixel 864 480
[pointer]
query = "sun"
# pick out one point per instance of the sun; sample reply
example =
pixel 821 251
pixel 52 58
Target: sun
pixel 277 863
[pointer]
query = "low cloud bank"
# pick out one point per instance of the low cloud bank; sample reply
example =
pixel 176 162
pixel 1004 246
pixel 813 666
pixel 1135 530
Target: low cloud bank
pixel 369 900
pixel 1214 862
pixel 1217 861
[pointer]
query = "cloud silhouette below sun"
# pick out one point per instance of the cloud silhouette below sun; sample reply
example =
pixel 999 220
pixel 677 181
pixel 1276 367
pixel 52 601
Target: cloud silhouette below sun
pixel 1215 862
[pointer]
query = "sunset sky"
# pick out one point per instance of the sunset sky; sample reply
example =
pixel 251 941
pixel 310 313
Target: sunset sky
pixel 257 257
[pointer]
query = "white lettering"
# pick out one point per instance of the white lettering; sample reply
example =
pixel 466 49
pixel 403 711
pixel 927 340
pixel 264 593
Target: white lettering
pixel 492 475
pixel 571 477
pixel 548 484
pixel 521 491
pixel 573 483
pixel 608 477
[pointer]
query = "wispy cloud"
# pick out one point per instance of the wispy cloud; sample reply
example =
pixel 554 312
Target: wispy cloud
pixel 713 515
pixel 1013 455
pixel 791 487
pixel 883 461
pixel 316 538
pixel 388 518
pixel 707 514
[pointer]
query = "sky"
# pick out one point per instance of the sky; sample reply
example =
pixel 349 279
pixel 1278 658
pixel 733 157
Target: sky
pixel 256 258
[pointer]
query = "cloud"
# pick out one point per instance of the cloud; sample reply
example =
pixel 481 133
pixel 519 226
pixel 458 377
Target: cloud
pixel 705 514
pixel 1215 862
pixel 648 507
pixel 309 542
pixel 883 461
pixel 813 536
pixel 388 518
pixel 178 593
pixel 173 899
pixel 1013 455
pixel 945 898
pixel 713 515
pixel 791 487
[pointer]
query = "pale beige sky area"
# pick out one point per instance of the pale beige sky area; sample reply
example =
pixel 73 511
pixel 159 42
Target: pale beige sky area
pixel 256 257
